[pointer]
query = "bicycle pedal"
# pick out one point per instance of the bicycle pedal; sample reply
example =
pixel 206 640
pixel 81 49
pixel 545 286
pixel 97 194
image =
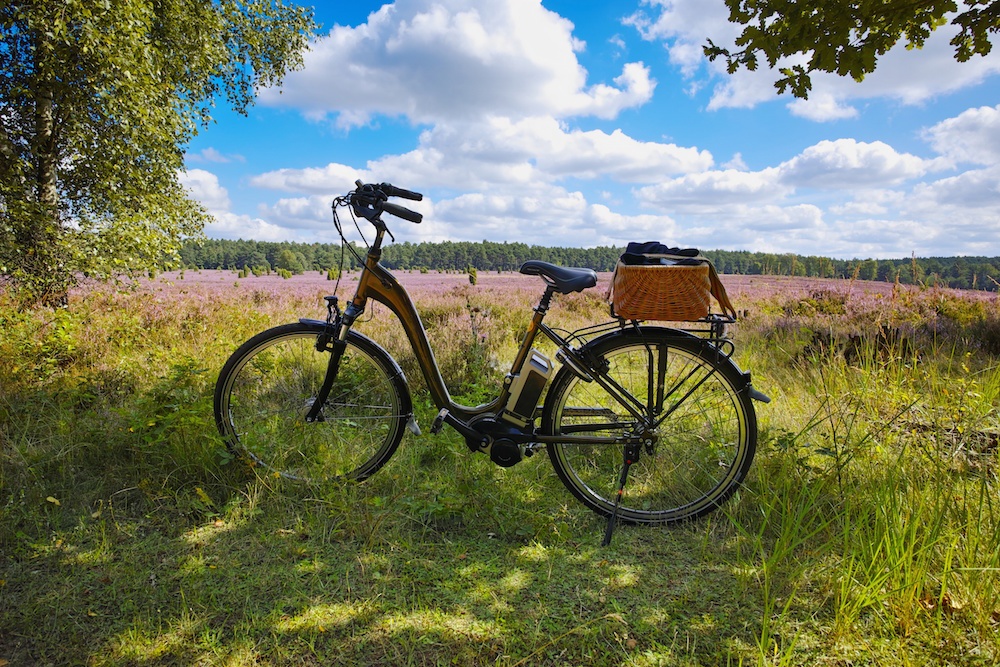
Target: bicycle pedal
pixel 438 423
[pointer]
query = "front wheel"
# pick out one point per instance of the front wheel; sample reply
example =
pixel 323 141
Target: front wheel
pixel 689 402
pixel 267 387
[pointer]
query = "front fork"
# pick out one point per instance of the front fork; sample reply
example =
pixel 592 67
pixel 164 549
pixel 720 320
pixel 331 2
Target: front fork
pixel 333 340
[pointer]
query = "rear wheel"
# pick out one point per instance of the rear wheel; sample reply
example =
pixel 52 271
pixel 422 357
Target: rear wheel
pixel 693 407
pixel 269 384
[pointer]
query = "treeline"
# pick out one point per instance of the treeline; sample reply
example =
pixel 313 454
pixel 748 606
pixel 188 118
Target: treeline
pixel 447 255
pixel 960 272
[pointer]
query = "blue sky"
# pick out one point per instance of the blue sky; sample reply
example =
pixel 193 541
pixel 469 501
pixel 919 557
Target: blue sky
pixel 583 123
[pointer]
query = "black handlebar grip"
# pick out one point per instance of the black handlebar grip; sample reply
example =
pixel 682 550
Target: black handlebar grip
pixel 392 191
pixel 401 212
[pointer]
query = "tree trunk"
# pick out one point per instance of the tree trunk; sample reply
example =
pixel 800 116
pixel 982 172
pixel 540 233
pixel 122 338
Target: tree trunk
pixel 37 234
pixel 46 180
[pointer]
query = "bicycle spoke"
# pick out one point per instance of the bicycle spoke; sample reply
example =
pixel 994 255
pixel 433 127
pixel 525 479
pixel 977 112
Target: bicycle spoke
pixel 270 385
pixel 698 428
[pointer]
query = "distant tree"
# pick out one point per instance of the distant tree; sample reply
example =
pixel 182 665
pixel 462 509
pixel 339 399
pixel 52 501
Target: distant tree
pixel 287 260
pixel 97 102
pixel 868 270
pixel 847 38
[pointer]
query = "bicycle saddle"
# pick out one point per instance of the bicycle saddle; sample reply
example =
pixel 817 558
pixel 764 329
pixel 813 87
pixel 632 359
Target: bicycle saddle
pixel 563 278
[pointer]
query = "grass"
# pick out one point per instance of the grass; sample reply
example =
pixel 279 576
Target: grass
pixel 867 532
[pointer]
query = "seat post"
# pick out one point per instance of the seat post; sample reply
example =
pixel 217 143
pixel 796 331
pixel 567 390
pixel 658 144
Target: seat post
pixel 533 328
pixel 546 301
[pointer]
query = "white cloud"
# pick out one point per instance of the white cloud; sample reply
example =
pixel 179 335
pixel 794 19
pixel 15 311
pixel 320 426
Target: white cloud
pixel 331 180
pixel 204 187
pixel 499 151
pixel 504 151
pixel 869 203
pixel 547 216
pixel 978 189
pixel 301 213
pixel 971 137
pixel 822 106
pixel 859 209
pixel 847 163
pixel 448 59
pixel 228 225
pixel 799 205
pixel 911 76
pixel 736 162
pixel 544 215
pixel 884 237
pixel 714 190
pixel 213 155
pixel 507 174
pixel 766 228
pixel 684 26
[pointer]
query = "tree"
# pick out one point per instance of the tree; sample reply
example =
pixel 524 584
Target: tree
pixel 288 260
pixel 97 101
pixel 847 38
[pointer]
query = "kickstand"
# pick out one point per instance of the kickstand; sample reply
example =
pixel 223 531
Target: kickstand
pixel 631 456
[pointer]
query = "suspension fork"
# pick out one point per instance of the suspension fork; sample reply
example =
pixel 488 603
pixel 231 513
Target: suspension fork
pixel 334 340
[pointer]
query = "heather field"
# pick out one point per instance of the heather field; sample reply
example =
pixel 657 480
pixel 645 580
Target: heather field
pixel 866 533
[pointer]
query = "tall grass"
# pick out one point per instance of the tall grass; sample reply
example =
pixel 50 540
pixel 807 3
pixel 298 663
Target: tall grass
pixel 867 532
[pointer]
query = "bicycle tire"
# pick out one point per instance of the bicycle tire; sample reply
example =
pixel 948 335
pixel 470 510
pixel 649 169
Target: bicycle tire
pixel 268 385
pixel 703 449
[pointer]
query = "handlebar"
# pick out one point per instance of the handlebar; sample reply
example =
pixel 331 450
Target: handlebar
pixel 370 201
pixel 393 191
pixel 402 212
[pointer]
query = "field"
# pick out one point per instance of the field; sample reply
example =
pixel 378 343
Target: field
pixel 866 533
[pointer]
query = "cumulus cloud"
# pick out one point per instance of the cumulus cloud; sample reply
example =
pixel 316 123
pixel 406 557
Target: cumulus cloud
pixel 714 190
pixel 227 225
pixel 545 214
pixel 450 59
pixel 847 163
pixel 801 204
pixel 204 187
pixel 840 196
pixel 822 106
pixel 971 137
pixel 510 142
pixel 869 203
pixel 330 180
pixel 683 26
pixel 977 189
pixel 910 76
pixel 499 152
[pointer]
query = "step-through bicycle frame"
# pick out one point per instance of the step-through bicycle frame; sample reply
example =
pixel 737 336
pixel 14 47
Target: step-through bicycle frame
pixel 378 284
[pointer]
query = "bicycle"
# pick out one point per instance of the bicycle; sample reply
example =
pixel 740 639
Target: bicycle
pixel 663 411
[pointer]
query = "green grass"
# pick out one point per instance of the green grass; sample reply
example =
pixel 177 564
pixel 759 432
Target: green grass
pixel 867 532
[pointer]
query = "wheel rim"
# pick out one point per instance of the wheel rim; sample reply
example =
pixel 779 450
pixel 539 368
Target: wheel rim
pixel 271 392
pixel 700 450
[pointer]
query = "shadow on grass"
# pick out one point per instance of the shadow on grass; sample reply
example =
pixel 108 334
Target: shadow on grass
pixel 250 588
pixel 130 553
pixel 126 542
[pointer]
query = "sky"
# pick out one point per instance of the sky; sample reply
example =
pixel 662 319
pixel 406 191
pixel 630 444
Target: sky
pixel 593 123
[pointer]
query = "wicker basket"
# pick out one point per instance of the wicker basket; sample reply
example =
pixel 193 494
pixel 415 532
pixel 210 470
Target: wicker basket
pixel 658 292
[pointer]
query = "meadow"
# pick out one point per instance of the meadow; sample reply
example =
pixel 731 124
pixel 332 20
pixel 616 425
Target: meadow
pixel 866 533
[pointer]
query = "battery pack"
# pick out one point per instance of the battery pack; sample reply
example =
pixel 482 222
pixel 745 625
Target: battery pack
pixel 526 388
